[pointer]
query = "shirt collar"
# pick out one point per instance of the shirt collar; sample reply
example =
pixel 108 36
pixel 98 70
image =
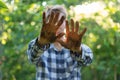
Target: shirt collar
pixel 52 46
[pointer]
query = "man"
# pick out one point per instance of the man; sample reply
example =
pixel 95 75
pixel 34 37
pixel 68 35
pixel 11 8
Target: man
pixel 59 55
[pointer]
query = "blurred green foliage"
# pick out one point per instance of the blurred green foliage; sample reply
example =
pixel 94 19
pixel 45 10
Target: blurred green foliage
pixel 22 23
pixel 2 5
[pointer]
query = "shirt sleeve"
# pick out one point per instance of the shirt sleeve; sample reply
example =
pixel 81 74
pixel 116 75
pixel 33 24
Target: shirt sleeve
pixel 86 57
pixel 34 51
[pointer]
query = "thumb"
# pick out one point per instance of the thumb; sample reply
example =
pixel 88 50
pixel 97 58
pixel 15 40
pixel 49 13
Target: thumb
pixel 60 35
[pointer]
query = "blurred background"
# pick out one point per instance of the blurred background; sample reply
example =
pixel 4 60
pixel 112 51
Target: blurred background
pixel 22 21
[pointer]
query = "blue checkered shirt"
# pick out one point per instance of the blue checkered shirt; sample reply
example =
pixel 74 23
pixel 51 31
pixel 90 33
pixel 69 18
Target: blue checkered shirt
pixel 52 64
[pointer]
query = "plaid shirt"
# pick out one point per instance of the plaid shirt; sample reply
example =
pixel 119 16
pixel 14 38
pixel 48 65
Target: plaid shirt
pixel 52 64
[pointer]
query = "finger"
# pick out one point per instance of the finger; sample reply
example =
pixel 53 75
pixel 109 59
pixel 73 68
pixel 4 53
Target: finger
pixel 44 19
pixel 77 26
pixel 72 25
pixel 60 21
pixel 56 18
pixel 60 35
pixel 62 43
pixel 51 17
pixel 67 27
pixel 83 32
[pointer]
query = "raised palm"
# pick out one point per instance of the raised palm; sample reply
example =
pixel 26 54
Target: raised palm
pixel 73 37
pixel 49 28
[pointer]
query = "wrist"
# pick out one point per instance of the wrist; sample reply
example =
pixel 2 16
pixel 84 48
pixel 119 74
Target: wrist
pixel 79 50
pixel 41 41
pixel 42 46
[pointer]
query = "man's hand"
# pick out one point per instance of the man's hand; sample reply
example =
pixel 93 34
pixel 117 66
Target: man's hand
pixel 49 28
pixel 73 37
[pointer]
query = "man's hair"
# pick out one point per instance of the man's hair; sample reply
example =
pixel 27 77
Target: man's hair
pixel 56 8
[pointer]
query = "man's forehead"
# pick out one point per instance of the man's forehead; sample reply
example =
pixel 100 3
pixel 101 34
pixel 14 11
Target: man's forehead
pixel 60 13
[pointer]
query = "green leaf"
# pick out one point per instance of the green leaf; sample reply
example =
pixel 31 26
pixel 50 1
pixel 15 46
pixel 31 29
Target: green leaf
pixel 2 5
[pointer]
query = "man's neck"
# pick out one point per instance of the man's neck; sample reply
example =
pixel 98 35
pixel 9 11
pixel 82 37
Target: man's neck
pixel 58 46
